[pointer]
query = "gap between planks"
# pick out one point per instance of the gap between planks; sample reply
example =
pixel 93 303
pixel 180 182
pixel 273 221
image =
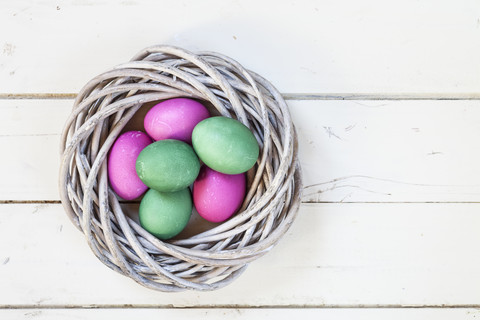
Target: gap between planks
pixel 308 306
pixel 288 96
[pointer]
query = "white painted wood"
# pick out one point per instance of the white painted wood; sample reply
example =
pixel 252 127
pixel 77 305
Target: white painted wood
pixel 334 255
pixel 369 46
pixel 351 151
pixel 389 150
pixel 384 255
pixel 251 314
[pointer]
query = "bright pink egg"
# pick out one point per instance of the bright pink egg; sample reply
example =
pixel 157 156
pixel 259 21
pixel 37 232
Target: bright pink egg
pixel 217 196
pixel 174 119
pixel 121 164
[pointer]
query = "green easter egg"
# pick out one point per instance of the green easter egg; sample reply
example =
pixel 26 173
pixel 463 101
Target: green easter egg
pixel 167 165
pixel 165 214
pixel 225 145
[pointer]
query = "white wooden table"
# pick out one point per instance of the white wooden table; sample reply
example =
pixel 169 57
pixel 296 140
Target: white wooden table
pixel 386 99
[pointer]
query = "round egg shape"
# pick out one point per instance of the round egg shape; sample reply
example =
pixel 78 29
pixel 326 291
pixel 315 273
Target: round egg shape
pixel 225 145
pixel 165 214
pixel 174 119
pixel 121 164
pixel 217 196
pixel 168 165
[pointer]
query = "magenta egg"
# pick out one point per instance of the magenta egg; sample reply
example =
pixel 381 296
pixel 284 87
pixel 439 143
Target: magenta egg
pixel 121 164
pixel 217 196
pixel 174 119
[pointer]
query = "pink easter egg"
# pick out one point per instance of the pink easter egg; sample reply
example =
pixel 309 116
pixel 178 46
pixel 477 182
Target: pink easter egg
pixel 121 164
pixel 217 196
pixel 174 119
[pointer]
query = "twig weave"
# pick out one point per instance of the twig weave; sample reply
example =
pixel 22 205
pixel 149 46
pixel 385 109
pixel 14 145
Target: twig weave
pixel 213 258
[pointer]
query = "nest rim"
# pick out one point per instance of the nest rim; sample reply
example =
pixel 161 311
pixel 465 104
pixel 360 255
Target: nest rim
pixel 122 244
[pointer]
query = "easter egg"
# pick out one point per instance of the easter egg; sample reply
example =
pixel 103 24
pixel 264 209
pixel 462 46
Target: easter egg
pixel 168 165
pixel 121 164
pixel 225 145
pixel 174 119
pixel 217 196
pixel 165 214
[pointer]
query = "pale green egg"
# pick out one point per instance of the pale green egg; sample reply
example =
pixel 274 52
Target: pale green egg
pixel 165 214
pixel 225 145
pixel 167 165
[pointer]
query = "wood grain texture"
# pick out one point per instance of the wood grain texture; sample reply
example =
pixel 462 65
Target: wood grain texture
pixel 350 151
pixel 334 255
pixel 312 46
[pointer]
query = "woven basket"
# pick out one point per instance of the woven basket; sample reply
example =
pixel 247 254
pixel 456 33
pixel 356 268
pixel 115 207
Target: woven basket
pixel 210 259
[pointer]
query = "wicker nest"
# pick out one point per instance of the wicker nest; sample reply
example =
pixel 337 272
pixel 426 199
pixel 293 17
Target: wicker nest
pixel 210 259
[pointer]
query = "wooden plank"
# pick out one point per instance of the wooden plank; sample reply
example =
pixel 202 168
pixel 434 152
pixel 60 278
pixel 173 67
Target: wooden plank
pixel 351 151
pixel 334 255
pixel 388 150
pixel 29 138
pixel 316 47
pixel 186 314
